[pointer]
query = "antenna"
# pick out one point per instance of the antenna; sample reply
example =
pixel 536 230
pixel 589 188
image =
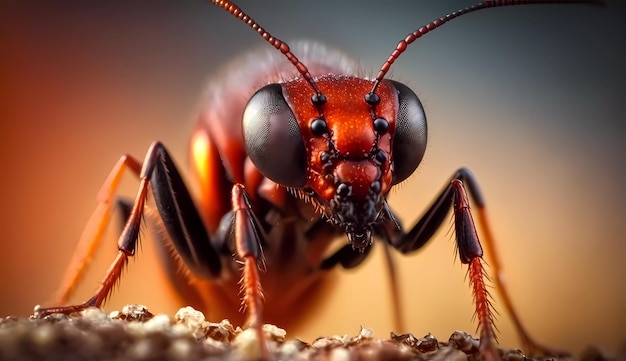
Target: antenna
pixel 402 45
pixel 318 98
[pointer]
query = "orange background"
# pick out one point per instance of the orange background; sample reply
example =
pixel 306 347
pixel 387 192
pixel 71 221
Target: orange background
pixel 528 98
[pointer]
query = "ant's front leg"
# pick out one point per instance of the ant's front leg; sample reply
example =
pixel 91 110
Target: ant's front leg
pixel 248 246
pixel 186 232
pixel 470 251
pixel 180 218
pixel 469 248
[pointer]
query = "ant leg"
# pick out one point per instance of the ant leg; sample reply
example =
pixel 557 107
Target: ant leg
pixel 126 247
pixel 529 345
pixel 249 251
pixel 470 251
pixel 468 245
pixel 92 233
pixel 180 218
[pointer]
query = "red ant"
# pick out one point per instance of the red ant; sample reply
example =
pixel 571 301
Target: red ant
pixel 314 157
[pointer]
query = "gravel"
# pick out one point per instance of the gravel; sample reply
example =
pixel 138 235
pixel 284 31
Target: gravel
pixel 134 333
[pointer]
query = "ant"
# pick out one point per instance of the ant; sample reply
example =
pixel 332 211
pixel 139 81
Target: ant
pixel 306 159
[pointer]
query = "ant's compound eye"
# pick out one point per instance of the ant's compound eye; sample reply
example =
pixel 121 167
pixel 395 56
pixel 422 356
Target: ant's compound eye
pixel 273 138
pixel 409 141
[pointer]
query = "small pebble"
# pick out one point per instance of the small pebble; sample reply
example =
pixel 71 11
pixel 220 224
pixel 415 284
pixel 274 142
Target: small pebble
pixel 158 323
pixel 247 344
pixel 274 333
pixel 464 341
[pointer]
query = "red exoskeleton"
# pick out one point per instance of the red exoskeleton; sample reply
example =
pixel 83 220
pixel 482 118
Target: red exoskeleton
pixel 311 156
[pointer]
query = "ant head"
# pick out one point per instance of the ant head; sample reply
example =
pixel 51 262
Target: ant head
pixel 344 154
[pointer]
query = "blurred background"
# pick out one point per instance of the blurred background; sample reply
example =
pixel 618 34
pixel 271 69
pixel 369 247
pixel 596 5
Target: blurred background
pixel 529 98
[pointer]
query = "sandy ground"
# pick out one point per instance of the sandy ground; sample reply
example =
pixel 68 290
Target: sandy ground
pixel 134 333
